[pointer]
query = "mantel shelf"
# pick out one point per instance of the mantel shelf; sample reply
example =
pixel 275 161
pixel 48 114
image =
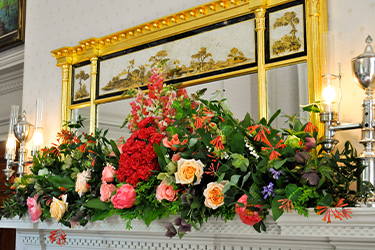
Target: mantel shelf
pixel 291 231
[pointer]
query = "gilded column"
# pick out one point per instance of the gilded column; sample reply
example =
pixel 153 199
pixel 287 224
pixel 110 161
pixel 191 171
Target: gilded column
pixel 94 67
pixel 66 69
pixel 313 53
pixel 262 84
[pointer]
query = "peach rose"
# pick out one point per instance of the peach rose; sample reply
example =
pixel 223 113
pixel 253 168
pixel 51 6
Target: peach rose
pixel 58 207
pixel 166 192
pixel 124 197
pixel 35 209
pixel 176 157
pixel 247 216
pixel 106 191
pixel 81 183
pixel 187 169
pixel 108 173
pixel 214 195
pixel 174 141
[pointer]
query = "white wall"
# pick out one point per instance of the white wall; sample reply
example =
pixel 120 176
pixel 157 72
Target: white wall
pixel 51 24
pixel 351 21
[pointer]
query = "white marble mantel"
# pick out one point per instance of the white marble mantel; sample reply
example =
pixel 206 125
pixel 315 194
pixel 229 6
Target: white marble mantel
pixel 290 232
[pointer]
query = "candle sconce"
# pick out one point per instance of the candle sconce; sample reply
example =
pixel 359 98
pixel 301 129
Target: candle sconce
pixel 363 68
pixel 22 131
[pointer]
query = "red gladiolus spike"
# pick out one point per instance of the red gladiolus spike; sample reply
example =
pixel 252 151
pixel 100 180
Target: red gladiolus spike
pixel 268 143
pixel 340 204
pixel 266 129
pixel 62 189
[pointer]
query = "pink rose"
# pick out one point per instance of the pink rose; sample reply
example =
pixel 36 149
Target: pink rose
pixel 176 157
pixel 124 197
pixel 106 191
pixel 108 173
pixel 34 208
pixel 166 192
pixel 247 216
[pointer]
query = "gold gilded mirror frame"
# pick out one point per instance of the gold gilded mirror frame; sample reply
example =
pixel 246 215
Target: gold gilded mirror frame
pixel 200 16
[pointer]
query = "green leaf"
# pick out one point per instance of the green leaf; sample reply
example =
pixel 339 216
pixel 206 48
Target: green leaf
pixel 115 149
pixel 196 203
pixel 274 117
pixel 226 187
pixel 205 136
pixel 293 192
pixel 97 204
pixel 276 211
pixel 245 178
pixel 312 108
pixel 192 142
pixel 58 181
pixel 238 143
pixel 229 197
pixel 246 121
pixel 100 215
pixel 257 227
pixel 221 178
pixel 158 151
pixel 234 179
pixel 326 200
pixel 279 163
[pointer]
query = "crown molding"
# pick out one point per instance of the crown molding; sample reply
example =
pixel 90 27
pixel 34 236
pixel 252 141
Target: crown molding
pixel 12 60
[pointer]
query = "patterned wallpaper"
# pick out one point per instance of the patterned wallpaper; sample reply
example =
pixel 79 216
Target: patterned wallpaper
pixel 53 24
pixel 351 22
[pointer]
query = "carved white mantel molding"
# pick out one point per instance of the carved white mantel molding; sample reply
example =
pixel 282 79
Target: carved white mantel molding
pixel 290 232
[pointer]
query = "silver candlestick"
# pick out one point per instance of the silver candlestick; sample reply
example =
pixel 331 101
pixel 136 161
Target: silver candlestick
pixel 23 131
pixel 363 67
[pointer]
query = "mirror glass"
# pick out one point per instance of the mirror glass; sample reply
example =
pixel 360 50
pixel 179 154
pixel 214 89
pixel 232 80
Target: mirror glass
pixel 287 89
pixel 112 115
pixel 84 113
pixel 241 93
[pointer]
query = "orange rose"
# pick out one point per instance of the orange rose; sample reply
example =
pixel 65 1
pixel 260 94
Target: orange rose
pixel 187 169
pixel 214 195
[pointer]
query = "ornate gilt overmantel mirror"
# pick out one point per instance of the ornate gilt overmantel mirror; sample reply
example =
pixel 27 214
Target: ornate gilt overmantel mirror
pixel 264 53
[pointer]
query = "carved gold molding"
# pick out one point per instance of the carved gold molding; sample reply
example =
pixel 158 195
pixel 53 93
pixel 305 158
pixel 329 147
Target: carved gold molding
pixel 94 67
pixel 65 97
pixel 262 84
pixel 190 19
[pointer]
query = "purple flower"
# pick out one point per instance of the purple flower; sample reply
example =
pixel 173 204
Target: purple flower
pixel 275 173
pixel 267 191
pixel 183 225
pixel 171 230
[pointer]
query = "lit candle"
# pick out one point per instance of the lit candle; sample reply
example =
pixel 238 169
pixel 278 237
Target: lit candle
pixel 38 131
pixel 11 142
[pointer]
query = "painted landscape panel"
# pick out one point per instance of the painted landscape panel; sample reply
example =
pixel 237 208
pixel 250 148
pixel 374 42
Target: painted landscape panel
pixel 210 51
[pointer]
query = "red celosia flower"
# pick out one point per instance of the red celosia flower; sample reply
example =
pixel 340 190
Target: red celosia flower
pixel 138 158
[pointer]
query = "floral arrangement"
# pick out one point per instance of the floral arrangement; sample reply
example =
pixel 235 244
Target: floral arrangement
pixel 187 157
